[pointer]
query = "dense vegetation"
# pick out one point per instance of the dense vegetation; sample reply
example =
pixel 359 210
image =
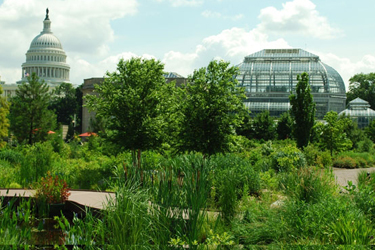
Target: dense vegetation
pixel 190 168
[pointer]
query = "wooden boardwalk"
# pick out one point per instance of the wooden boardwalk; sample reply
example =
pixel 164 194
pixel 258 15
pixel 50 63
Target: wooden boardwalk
pixel 91 199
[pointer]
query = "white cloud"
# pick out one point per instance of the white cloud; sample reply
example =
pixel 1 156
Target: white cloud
pixel 99 69
pixel 348 68
pixel 181 3
pixel 211 14
pixel 298 16
pixel 231 45
pixel 214 14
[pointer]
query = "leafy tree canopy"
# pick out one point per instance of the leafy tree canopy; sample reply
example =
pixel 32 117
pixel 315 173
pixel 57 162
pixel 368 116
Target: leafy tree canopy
pixel 30 118
pixel 212 109
pixel 264 126
pixel 284 126
pixel 332 133
pixel 4 122
pixel 362 86
pixel 133 101
pixel 303 110
pixel 64 103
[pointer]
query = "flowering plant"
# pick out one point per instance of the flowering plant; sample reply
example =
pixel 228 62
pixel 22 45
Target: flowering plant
pixel 52 189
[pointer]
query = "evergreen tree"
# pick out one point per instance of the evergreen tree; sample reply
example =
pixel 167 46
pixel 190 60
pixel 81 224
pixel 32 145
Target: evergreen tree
pixel 4 122
pixel 303 110
pixel 30 118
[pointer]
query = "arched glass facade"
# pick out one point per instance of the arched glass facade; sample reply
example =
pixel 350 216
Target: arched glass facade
pixel 269 76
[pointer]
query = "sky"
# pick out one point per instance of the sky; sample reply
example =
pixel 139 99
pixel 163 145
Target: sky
pixel 187 34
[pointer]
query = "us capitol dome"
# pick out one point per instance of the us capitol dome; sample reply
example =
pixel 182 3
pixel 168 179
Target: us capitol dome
pixel 46 57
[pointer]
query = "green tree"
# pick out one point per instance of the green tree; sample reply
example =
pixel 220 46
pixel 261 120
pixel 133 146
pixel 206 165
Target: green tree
pixel 264 126
pixel 64 103
pixel 131 101
pixel 212 109
pixel 245 128
pixel 303 110
pixel 362 86
pixel 4 122
pixel 332 133
pixel 370 130
pixel 30 118
pixel 284 126
pixel 353 133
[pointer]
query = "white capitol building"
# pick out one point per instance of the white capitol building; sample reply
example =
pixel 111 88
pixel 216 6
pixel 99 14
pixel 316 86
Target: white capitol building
pixel 46 58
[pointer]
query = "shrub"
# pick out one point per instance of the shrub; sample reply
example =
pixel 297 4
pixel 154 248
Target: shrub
pixel 37 162
pixel 51 190
pixel 288 158
pixel 11 156
pixel 366 145
pixel 344 162
pixel 334 220
pixel 324 159
pixel 364 196
pixel 351 159
pixel 315 157
pixel 308 184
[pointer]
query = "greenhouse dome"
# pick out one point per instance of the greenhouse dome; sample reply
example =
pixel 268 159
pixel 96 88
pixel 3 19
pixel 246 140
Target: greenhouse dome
pixel 270 75
pixel 359 110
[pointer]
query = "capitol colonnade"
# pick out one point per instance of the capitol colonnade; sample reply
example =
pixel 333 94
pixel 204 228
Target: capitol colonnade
pixel 48 72
pixel 46 57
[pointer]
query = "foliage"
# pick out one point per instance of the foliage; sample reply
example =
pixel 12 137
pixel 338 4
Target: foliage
pixel 362 86
pixel 15 229
pixel 4 121
pixel 351 159
pixel 284 127
pixel 131 221
pixel 64 103
pixel 344 162
pixel 212 109
pixel 51 189
pixel 132 101
pixel 308 184
pixel 30 118
pixel 264 126
pixel 303 110
pixel 366 145
pixel 315 157
pixel 370 130
pixel 364 195
pixel 37 161
pixel 11 155
pixel 332 136
pixel 288 159
pixel 351 130
pixel 334 220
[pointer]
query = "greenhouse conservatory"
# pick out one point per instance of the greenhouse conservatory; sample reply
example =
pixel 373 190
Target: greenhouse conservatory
pixel 359 111
pixel 269 76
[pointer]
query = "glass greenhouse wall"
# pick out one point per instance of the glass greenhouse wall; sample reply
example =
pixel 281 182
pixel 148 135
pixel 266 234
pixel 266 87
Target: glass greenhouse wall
pixel 269 76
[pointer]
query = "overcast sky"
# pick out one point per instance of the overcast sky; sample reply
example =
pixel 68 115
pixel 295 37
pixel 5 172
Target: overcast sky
pixel 187 34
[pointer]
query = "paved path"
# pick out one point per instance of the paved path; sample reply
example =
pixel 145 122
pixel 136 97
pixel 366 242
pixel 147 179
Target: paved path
pixel 92 199
pixel 345 175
